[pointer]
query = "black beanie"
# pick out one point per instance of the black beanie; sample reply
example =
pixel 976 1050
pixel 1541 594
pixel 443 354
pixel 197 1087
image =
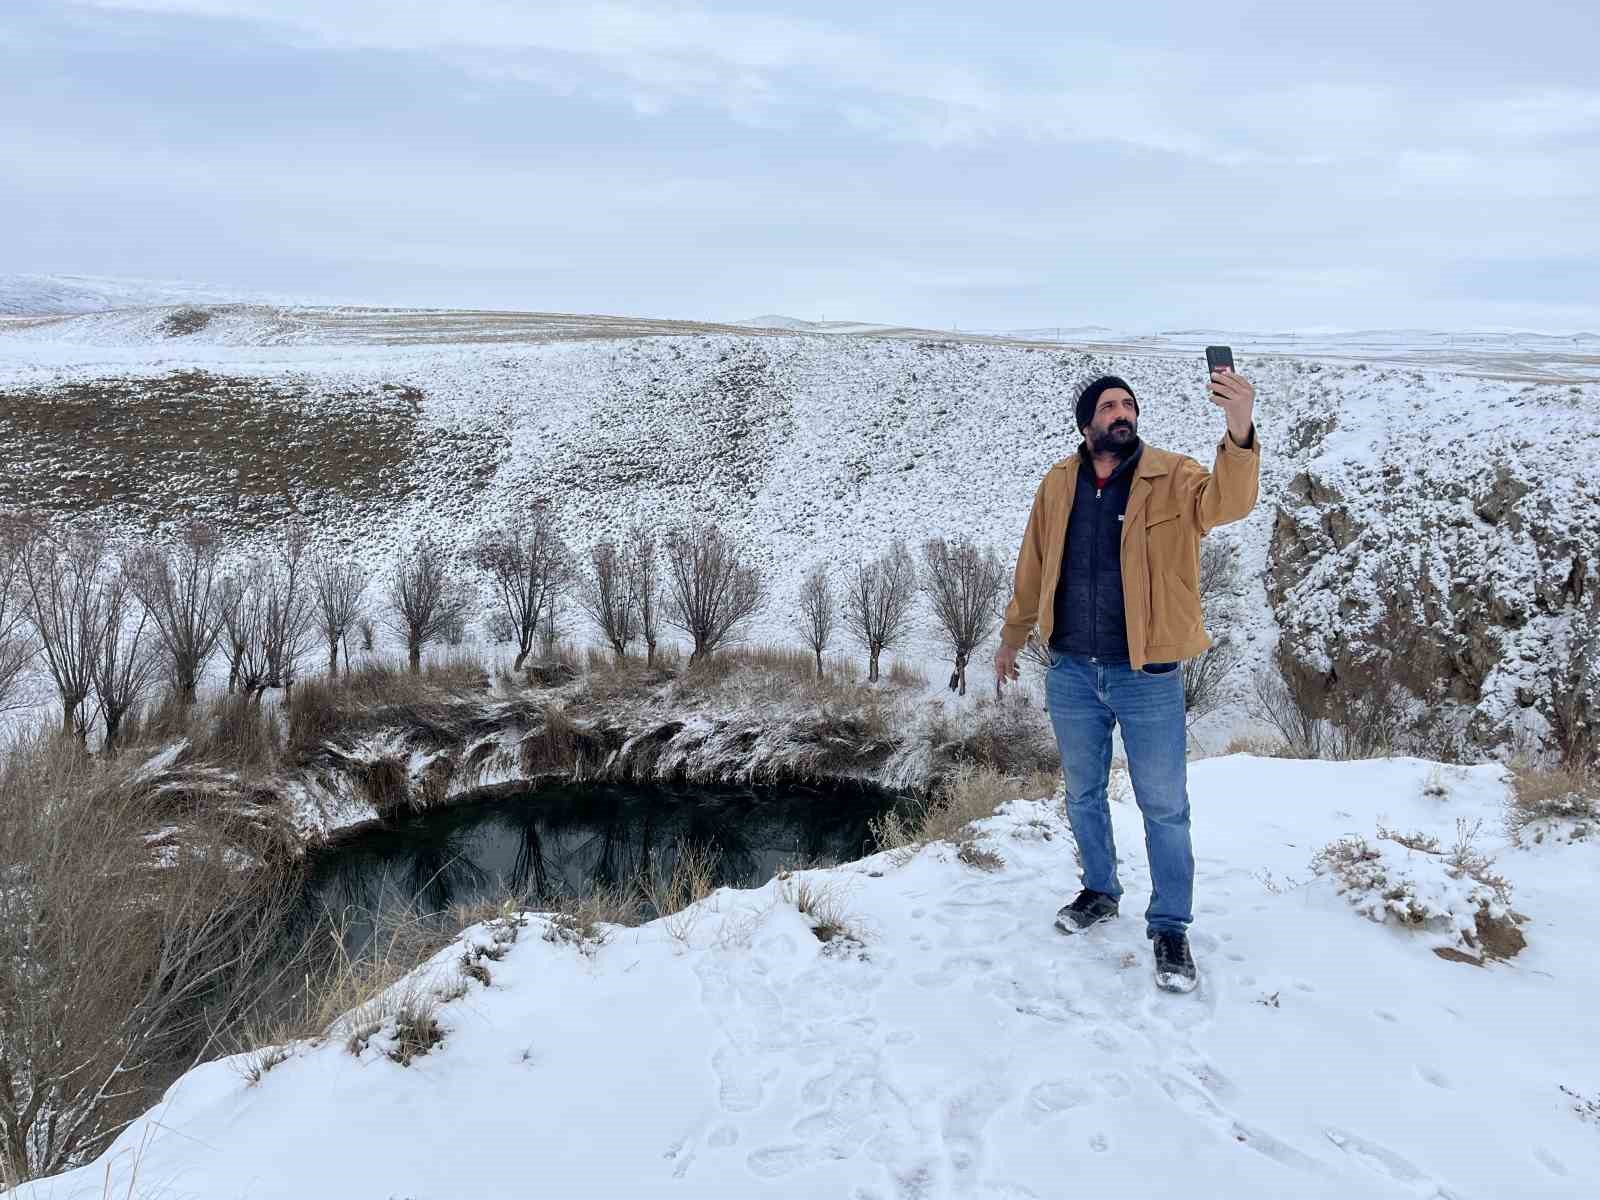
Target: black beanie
pixel 1090 396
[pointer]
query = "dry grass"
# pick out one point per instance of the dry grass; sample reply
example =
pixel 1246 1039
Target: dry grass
pixel 377 991
pixel 821 903
pixel 970 793
pixel 555 744
pixel 582 922
pixel 227 730
pixel 386 784
pixel 1544 799
pixel 903 674
pixel 1261 747
pixel 416 1030
pixel 321 708
pixel 174 940
pixel 673 895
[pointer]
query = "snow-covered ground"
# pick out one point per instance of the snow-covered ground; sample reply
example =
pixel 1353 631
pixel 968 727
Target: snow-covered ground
pixel 960 1046
pixel 37 295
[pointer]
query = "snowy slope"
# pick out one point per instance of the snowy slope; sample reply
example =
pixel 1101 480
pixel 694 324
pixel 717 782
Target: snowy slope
pixel 377 426
pixel 963 1048
pixel 45 295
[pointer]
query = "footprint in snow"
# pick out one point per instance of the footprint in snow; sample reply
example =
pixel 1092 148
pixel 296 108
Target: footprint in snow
pixel 1550 1162
pixel 1385 1162
pixel 1058 1095
pixel 1437 1078
pixel 742 1086
pixel 773 1161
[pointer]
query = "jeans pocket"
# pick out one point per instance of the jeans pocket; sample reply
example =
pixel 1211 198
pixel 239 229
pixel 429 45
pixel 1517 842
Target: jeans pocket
pixel 1160 668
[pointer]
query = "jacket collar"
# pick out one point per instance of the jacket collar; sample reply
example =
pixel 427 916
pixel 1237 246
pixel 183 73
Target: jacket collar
pixel 1152 462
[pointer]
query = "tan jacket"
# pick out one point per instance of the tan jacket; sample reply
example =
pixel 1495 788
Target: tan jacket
pixel 1172 503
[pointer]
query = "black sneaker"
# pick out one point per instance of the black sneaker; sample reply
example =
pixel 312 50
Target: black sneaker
pixel 1175 971
pixel 1089 909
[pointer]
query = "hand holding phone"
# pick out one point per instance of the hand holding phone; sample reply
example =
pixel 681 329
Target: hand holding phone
pixel 1230 391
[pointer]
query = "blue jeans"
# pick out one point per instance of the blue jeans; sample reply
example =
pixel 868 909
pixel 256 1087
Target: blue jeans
pixel 1086 698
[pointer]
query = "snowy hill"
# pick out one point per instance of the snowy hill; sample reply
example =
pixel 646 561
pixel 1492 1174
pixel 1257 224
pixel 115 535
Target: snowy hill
pixel 377 425
pixel 955 1045
pixel 51 295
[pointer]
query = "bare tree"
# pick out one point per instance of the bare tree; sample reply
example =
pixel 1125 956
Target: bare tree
pixel 338 586
pixel 711 590
pixel 877 608
pixel 288 611
pixel 129 657
pixel 17 647
pixel 1205 676
pixel 550 627
pixel 644 586
pixel 818 610
pixel 424 597
pixel 963 584
pixel 243 622
pixel 603 595
pixel 61 577
pixel 526 562
pixel 182 590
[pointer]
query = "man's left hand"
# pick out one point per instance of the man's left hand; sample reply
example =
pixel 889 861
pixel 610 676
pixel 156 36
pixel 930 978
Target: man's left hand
pixel 1234 395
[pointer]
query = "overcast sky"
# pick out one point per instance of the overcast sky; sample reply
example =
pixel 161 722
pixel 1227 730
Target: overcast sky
pixel 1154 166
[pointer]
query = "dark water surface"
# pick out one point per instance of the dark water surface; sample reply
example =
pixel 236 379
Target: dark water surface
pixel 571 840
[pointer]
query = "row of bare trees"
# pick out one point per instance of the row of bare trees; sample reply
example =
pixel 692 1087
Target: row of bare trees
pixel 109 624
pixel 963 584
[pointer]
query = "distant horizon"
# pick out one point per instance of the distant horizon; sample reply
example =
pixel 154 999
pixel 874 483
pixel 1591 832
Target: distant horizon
pixel 236 294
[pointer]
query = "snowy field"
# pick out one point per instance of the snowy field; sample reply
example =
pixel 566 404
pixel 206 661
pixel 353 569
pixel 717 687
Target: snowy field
pixel 958 1046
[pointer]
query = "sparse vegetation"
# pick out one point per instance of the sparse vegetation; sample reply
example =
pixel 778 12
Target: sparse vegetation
pixel 1551 802
pixel 970 793
pixel 822 903
pixel 181 322
pixel 1452 890
pixel 673 896
pixel 174 935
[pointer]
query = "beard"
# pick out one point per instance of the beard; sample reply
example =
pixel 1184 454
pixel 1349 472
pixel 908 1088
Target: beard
pixel 1121 439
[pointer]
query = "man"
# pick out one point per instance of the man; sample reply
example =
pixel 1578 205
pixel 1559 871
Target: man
pixel 1110 571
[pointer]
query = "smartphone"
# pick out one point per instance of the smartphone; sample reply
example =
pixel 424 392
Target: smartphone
pixel 1218 356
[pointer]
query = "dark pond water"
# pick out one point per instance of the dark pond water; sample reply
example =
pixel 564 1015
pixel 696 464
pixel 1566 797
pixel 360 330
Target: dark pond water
pixel 570 840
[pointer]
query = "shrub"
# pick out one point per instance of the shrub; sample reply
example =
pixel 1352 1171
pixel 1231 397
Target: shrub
pixel 172 939
pixel 1413 880
pixel 181 322
pixel 1551 801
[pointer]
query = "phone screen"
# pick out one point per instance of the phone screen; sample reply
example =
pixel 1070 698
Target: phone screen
pixel 1218 356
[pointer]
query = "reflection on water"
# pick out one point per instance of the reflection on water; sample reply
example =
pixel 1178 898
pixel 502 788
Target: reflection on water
pixel 570 840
